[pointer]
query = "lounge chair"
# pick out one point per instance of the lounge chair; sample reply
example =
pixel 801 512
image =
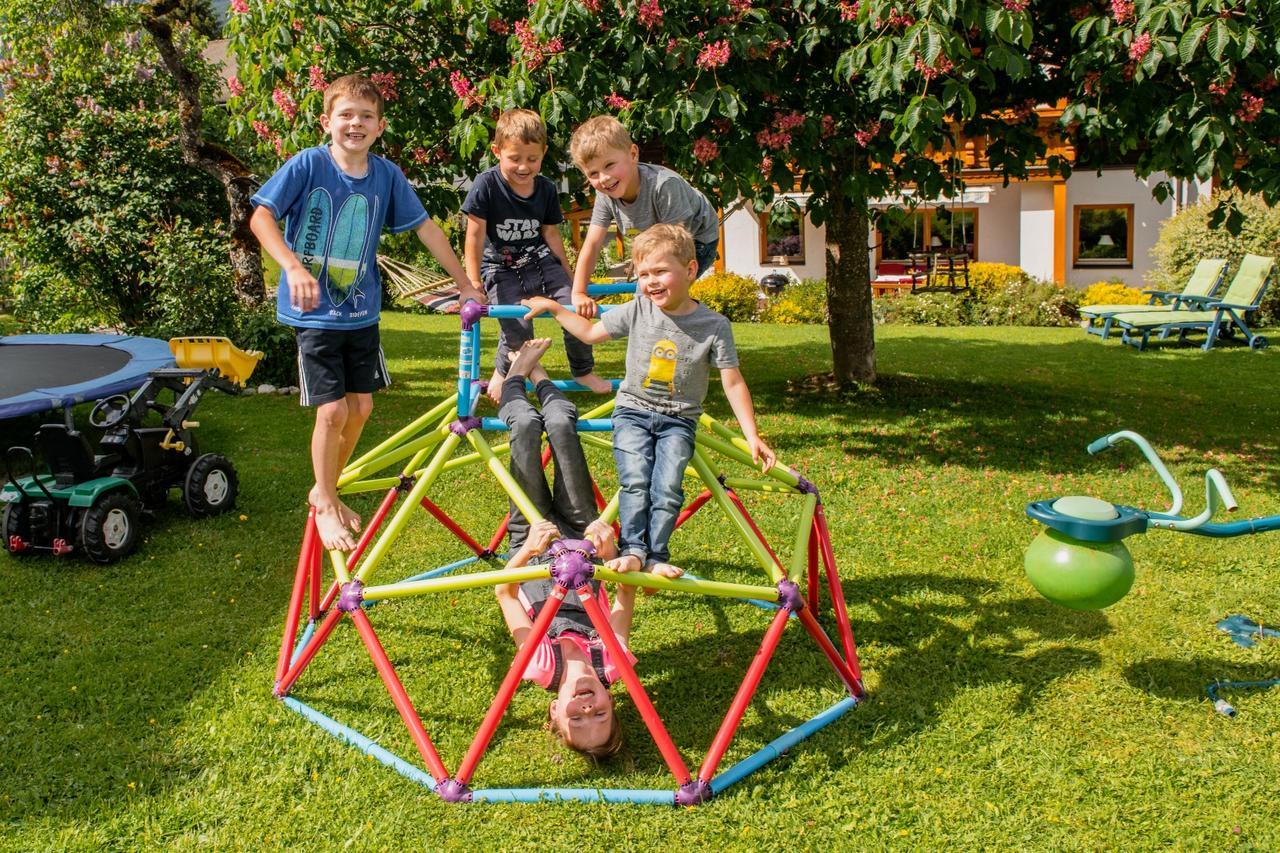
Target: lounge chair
pixel 1217 316
pixel 1204 280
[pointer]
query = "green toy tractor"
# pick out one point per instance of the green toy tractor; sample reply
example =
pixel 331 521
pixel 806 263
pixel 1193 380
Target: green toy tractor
pixel 92 502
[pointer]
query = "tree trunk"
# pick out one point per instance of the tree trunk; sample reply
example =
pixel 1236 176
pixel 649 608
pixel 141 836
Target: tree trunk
pixel 237 180
pixel 852 329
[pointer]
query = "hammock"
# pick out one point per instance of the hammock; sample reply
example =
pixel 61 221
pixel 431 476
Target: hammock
pixel 437 292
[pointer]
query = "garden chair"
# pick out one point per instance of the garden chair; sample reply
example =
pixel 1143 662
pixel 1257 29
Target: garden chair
pixel 1216 316
pixel 1204 280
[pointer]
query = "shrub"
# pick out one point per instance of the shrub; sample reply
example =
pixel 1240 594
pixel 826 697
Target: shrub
pixel 1111 293
pixel 989 279
pixel 1031 303
pixel 189 273
pixel 927 309
pixel 734 296
pixel 45 301
pixel 1188 238
pixel 804 302
pixel 258 328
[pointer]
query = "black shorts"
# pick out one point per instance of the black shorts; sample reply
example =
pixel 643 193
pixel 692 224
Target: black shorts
pixel 333 363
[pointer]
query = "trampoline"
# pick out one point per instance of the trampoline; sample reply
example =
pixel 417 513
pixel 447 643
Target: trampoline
pixel 40 372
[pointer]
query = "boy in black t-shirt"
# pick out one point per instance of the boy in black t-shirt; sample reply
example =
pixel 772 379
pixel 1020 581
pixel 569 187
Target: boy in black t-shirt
pixel 513 248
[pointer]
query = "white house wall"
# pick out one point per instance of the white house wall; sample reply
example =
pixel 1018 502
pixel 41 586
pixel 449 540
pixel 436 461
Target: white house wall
pixel 742 249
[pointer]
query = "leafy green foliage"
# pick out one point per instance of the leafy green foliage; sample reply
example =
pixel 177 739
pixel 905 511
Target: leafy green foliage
pixel 90 173
pixel 1182 87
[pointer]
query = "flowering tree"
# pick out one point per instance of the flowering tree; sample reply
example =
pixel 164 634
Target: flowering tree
pixel 840 101
pixel 90 172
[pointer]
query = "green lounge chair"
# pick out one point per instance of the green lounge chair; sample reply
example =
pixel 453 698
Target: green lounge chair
pixel 1217 316
pixel 1204 280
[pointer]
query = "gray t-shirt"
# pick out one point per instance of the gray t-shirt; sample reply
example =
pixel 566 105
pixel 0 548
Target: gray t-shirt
pixel 664 198
pixel 669 357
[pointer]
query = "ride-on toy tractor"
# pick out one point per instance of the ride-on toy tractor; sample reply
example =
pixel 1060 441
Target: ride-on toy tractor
pixel 91 502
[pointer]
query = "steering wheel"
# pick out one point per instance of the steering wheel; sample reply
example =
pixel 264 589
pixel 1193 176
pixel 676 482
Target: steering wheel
pixel 109 411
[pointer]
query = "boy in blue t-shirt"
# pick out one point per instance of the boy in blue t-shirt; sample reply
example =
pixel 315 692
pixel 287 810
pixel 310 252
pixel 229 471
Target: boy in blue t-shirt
pixel 335 200
pixel 513 248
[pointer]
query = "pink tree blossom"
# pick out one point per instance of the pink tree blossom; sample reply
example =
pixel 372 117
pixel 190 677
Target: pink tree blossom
pixel 386 83
pixel 713 55
pixel 616 101
pixel 235 87
pixel 1141 45
pixel 705 150
pixel 315 78
pixel 240 7
pixel 650 13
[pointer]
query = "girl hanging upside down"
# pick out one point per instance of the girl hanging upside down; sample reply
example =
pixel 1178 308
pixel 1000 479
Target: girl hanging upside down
pixel 571 660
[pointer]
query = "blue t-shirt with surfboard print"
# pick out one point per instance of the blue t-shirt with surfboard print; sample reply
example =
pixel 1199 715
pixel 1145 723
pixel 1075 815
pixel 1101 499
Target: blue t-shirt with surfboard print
pixel 332 222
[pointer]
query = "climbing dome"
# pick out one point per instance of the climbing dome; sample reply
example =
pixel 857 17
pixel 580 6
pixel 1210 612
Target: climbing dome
pixel 411 466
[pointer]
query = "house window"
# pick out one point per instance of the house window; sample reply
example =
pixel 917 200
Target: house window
pixel 904 233
pixel 782 236
pixel 1103 235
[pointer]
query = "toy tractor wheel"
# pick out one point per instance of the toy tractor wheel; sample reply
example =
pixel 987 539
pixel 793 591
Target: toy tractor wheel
pixel 109 528
pixel 15 522
pixel 211 485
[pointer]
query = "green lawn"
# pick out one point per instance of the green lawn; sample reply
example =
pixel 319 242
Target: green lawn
pixel 137 710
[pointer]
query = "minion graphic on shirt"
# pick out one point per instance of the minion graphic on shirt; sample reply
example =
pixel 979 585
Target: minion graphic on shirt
pixel 662 368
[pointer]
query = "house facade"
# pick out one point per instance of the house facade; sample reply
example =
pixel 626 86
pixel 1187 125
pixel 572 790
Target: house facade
pixel 1087 228
pixel 1092 226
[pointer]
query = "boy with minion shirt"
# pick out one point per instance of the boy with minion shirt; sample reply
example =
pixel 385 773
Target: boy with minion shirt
pixel 673 342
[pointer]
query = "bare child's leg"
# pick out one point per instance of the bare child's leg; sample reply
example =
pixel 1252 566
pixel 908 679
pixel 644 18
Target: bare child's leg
pixel 337 430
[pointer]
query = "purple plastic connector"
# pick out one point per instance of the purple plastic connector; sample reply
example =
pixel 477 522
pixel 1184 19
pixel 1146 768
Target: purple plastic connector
pixel 571 565
pixel 805 487
pixel 453 791
pixel 789 596
pixel 462 426
pixel 352 596
pixel 406 483
pixel 472 312
pixel 693 792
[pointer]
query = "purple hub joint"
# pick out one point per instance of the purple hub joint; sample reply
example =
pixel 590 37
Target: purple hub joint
pixel 453 791
pixel 352 596
pixel 471 312
pixel 462 426
pixel 571 565
pixel 406 483
pixel 805 487
pixel 789 596
pixel 694 792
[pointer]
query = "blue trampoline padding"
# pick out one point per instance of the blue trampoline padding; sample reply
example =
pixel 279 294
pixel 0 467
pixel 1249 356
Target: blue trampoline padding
pixel 122 369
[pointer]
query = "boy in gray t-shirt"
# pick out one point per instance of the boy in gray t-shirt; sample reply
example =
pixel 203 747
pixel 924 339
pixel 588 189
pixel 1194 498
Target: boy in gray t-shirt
pixel 635 195
pixel 673 342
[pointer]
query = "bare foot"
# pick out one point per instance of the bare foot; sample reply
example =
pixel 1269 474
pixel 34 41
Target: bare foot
pixel 529 357
pixel 595 383
pixel 334 534
pixel 625 563
pixel 494 391
pixel 664 570
pixel 350 518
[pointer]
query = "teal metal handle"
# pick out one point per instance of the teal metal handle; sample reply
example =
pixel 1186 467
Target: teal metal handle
pixel 1217 495
pixel 1148 451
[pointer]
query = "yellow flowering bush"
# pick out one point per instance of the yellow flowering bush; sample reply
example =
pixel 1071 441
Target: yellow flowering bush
pixel 734 296
pixel 988 279
pixel 1112 293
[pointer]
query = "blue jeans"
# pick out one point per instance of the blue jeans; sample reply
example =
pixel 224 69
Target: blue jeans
pixel 651 452
pixel 706 254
